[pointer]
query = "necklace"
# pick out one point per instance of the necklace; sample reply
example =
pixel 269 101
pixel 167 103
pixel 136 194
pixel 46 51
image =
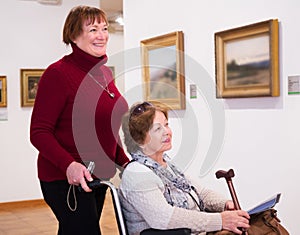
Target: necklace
pixel 111 94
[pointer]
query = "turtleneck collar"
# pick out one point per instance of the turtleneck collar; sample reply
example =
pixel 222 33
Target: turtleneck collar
pixel 86 61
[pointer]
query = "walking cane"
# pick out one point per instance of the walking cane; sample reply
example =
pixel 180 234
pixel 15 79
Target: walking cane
pixel 228 175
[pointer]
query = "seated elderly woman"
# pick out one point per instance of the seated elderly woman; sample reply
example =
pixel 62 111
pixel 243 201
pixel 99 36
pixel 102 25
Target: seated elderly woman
pixel 155 194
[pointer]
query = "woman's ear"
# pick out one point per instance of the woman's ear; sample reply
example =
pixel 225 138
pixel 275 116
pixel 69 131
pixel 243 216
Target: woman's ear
pixel 142 146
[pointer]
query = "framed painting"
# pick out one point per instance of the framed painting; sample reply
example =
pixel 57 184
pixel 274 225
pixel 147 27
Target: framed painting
pixel 29 85
pixel 3 92
pixel 247 61
pixel 163 70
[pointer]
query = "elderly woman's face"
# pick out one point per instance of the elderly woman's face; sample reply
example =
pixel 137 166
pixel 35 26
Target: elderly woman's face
pixel 159 137
pixel 93 39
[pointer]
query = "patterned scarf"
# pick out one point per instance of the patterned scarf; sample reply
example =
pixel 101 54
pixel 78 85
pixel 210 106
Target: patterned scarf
pixel 177 187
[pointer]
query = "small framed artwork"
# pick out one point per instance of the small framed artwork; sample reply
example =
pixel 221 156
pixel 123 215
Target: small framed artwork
pixel 3 90
pixel 29 85
pixel 163 70
pixel 247 61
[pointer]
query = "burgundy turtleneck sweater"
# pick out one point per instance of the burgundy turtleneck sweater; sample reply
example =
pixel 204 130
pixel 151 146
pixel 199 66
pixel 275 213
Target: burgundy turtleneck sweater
pixel 74 118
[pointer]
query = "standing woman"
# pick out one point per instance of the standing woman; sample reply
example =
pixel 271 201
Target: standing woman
pixel 76 118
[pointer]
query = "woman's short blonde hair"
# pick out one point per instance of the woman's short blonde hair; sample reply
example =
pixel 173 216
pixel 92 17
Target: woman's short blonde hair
pixel 77 17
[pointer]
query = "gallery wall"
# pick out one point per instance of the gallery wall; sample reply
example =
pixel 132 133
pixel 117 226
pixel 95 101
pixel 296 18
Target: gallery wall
pixel 31 37
pixel 257 137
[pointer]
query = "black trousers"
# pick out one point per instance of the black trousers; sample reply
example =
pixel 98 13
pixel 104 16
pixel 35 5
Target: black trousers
pixel 85 219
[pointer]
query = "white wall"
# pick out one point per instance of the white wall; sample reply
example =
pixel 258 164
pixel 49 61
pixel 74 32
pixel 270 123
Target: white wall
pixel 31 37
pixel 261 140
pixel 261 134
pixel 116 59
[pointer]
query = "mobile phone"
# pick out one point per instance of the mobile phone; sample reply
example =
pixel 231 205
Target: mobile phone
pixel 90 165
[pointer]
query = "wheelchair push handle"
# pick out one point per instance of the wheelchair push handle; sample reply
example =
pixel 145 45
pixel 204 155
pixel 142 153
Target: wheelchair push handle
pixel 96 183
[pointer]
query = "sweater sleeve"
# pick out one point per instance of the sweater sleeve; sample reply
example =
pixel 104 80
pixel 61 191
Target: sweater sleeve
pixel 213 201
pixel 49 104
pixel 144 191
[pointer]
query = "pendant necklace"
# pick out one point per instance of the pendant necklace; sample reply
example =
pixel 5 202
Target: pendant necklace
pixel 111 94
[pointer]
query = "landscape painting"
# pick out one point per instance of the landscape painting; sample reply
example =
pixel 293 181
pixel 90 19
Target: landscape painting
pixel 163 78
pixel 163 70
pixel 247 61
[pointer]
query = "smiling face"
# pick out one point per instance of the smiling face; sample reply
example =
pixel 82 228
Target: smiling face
pixel 93 39
pixel 159 137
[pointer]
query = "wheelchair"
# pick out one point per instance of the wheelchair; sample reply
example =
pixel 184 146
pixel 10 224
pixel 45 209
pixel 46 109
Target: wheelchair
pixel 121 220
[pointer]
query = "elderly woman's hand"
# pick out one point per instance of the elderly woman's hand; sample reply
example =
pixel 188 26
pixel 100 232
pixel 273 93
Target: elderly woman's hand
pixel 235 220
pixel 77 174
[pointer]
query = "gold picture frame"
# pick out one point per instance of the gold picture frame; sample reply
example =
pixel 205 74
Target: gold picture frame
pixel 3 91
pixel 163 70
pixel 29 85
pixel 247 61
